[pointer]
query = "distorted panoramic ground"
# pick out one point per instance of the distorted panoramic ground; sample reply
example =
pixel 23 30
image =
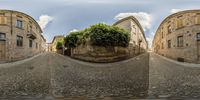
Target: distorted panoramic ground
pixel 50 76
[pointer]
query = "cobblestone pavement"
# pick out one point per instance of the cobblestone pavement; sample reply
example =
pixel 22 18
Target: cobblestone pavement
pixel 125 79
pixel 25 79
pixel 50 76
pixel 169 79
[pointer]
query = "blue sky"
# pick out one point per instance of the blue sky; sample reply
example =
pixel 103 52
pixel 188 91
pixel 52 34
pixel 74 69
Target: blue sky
pixel 59 17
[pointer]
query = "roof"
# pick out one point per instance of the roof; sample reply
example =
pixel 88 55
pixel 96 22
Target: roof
pixel 25 15
pixel 135 20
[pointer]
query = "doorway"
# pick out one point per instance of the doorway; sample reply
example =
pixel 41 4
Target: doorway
pixel 198 45
pixel 2 50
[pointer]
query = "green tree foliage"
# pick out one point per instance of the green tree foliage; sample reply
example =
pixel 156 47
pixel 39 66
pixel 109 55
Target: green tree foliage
pixel 59 45
pixel 104 35
pixel 73 39
pixel 100 35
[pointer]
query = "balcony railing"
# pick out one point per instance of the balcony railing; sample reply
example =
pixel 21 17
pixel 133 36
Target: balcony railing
pixel 31 35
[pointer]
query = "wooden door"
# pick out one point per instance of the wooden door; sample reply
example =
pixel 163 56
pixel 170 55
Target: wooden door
pixel 2 50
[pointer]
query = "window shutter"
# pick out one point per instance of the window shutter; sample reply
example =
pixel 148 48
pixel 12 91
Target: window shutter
pixel 3 20
pixel 198 20
pixel 0 20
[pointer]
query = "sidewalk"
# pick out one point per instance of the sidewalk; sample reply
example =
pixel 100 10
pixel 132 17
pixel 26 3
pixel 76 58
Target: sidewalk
pixel 185 64
pixel 20 61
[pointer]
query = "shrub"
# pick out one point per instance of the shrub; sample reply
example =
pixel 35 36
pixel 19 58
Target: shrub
pixel 104 35
pixel 59 45
pixel 100 35
pixel 73 39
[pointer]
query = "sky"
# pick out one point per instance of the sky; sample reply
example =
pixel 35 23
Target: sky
pixel 60 17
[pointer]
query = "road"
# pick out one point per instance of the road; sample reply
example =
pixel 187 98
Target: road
pixel 55 76
pixel 171 79
pixel 50 76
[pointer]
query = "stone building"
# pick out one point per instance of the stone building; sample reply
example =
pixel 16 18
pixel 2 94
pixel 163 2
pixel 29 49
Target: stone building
pixel 20 36
pixel 138 42
pixel 178 37
pixel 52 45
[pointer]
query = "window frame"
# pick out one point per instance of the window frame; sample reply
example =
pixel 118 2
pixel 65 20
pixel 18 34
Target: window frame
pixel 169 43
pixel 19 23
pixel 198 36
pixel 179 41
pixel 3 34
pixel 30 43
pixel 19 41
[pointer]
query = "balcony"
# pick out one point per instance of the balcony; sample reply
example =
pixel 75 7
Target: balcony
pixel 31 35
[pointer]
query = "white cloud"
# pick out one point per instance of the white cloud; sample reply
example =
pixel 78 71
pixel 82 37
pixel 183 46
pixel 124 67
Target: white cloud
pixel 176 10
pixel 150 39
pixel 74 30
pixel 144 18
pixel 44 20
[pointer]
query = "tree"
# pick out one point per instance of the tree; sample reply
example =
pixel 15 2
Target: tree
pixel 99 35
pixel 59 45
pixel 104 35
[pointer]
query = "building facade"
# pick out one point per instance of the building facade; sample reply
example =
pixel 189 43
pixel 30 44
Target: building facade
pixel 20 36
pixel 52 45
pixel 138 43
pixel 178 37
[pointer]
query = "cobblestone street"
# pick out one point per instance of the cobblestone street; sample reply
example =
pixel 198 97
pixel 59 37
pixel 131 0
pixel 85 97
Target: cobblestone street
pixel 127 78
pixel 53 76
pixel 171 79
pixel 25 79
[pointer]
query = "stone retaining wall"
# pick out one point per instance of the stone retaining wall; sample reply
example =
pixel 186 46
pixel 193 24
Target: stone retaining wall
pixel 104 54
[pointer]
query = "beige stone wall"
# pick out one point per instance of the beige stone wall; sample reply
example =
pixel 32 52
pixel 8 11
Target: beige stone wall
pixel 99 54
pixel 188 30
pixel 136 33
pixel 54 43
pixel 14 52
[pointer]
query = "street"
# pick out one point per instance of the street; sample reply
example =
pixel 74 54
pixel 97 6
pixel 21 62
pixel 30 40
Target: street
pixel 55 76
pixel 171 79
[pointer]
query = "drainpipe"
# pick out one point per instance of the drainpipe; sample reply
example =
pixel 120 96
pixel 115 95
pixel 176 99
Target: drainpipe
pixel 10 40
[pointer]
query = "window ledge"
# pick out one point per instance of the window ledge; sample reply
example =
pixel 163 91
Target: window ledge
pixel 19 28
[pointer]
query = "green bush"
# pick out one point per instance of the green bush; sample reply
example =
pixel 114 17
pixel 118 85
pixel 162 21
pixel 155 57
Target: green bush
pixel 104 35
pixel 72 39
pixel 59 45
pixel 100 35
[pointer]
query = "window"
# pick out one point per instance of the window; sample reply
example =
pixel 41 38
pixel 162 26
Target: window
pixel 3 20
pixel 198 36
pixel 36 45
pixel 162 35
pixel 179 23
pixel 30 43
pixel 162 46
pixel 180 41
pixel 19 24
pixel 169 29
pixel 19 41
pixel 2 36
pixel 169 43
